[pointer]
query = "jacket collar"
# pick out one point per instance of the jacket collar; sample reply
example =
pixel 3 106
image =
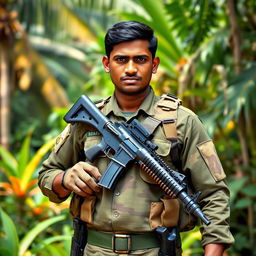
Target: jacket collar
pixel 147 106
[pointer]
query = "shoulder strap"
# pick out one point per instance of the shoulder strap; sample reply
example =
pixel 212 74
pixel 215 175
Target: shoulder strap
pixel 166 114
pixel 166 111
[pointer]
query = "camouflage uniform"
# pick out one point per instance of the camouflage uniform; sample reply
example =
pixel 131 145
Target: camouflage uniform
pixel 137 204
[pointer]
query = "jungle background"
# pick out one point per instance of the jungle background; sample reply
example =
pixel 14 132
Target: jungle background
pixel 50 54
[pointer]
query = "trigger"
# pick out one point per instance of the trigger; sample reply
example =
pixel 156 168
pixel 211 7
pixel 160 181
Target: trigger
pixel 108 152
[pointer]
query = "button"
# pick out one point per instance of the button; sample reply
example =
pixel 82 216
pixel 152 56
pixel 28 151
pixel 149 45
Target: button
pixel 117 193
pixel 116 214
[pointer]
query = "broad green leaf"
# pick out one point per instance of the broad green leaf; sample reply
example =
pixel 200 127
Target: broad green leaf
pixel 235 186
pixel 82 31
pixel 190 239
pixel 56 239
pixel 5 251
pixel 250 190
pixel 31 235
pixel 54 250
pixel 243 203
pixel 48 241
pixel 24 155
pixel 10 163
pixel 35 161
pixel 158 14
pixel 68 231
pixel 11 237
pixel 243 242
pixel 239 96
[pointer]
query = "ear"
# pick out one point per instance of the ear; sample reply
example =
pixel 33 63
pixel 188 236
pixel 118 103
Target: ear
pixel 156 62
pixel 105 62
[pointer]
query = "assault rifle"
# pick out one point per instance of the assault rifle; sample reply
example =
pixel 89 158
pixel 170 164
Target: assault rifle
pixel 123 143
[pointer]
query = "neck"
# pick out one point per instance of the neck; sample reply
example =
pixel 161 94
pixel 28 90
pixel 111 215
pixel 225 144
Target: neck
pixel 131 103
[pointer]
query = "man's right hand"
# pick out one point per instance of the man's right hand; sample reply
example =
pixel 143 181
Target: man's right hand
pixel 81 179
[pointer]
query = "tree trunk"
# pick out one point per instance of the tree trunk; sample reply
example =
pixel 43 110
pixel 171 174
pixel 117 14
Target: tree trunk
pixel 235 35
pixel 4 96
pixel 242 126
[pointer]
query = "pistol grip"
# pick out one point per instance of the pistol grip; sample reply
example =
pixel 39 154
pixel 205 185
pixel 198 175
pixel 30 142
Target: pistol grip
pixel 93 152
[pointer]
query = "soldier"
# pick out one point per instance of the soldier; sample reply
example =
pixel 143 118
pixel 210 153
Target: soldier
pixel 123 221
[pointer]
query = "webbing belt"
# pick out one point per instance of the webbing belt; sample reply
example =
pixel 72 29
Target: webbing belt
pixel 123 243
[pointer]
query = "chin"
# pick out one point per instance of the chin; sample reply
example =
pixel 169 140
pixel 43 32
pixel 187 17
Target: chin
pixel 133 90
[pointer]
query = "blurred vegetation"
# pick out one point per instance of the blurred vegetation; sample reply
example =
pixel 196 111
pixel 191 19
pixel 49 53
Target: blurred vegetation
pixel 50 54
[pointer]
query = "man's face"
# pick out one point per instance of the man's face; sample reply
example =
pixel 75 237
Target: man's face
pixel 131 66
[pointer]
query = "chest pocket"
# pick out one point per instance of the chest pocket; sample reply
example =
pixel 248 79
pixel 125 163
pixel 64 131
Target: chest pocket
pixel 164 147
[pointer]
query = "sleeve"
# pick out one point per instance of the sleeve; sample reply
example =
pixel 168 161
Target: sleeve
pixel 68 150
pixel 201 163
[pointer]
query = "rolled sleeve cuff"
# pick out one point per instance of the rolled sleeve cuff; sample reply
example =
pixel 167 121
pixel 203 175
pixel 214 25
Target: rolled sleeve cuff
pixel 217 235
pixel 47 189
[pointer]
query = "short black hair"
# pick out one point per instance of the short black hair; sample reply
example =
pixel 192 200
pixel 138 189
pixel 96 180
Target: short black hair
pixel 125 31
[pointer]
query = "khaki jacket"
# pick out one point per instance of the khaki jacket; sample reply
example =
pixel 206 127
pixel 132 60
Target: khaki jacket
pixel 137 204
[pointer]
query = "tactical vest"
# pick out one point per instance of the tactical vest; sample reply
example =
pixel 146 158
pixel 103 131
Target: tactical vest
pixel 166 115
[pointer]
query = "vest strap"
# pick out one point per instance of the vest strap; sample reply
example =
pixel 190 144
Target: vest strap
pixel 166 111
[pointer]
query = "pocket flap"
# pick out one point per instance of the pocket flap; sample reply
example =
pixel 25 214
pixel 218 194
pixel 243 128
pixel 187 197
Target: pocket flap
pixel 164 147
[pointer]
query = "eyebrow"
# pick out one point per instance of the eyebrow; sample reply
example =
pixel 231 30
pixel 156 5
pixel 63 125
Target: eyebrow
pixel 125 56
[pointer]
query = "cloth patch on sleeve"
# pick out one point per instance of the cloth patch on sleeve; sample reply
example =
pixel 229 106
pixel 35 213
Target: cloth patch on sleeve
pixel 209 154
pixel 62 138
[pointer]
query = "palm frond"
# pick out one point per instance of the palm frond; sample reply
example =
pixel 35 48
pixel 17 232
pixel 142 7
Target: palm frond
pixel 193 20
pixel 239 97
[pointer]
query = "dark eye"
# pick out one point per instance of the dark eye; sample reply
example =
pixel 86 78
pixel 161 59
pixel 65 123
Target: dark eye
pixel 121 59
pixel 141 59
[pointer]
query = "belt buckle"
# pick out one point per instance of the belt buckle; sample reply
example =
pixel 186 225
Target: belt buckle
pixel 122 236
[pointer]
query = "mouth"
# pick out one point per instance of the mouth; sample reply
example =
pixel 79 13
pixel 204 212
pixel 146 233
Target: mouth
pixel 130 79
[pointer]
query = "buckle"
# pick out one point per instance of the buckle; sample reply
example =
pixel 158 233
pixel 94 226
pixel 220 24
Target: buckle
pixel 128 243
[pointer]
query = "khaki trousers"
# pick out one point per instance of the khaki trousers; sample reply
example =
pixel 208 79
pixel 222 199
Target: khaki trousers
pixel 92 250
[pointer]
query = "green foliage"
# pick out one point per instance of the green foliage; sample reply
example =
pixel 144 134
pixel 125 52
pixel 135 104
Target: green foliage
pixel 191 242
pixel 20 193
pixel 197 63
pixel 31 235
pixel 11 246
pixel 9 241
pixel 192 20
pixel 21 172
pixel 238 97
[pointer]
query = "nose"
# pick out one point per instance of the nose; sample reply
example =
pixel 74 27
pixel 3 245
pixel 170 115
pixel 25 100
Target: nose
pixel 131 67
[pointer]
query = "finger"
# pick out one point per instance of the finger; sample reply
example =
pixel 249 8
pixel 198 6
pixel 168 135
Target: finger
pixel 79 192
pixel 92 170
pixel 87 182
pixel 84 187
